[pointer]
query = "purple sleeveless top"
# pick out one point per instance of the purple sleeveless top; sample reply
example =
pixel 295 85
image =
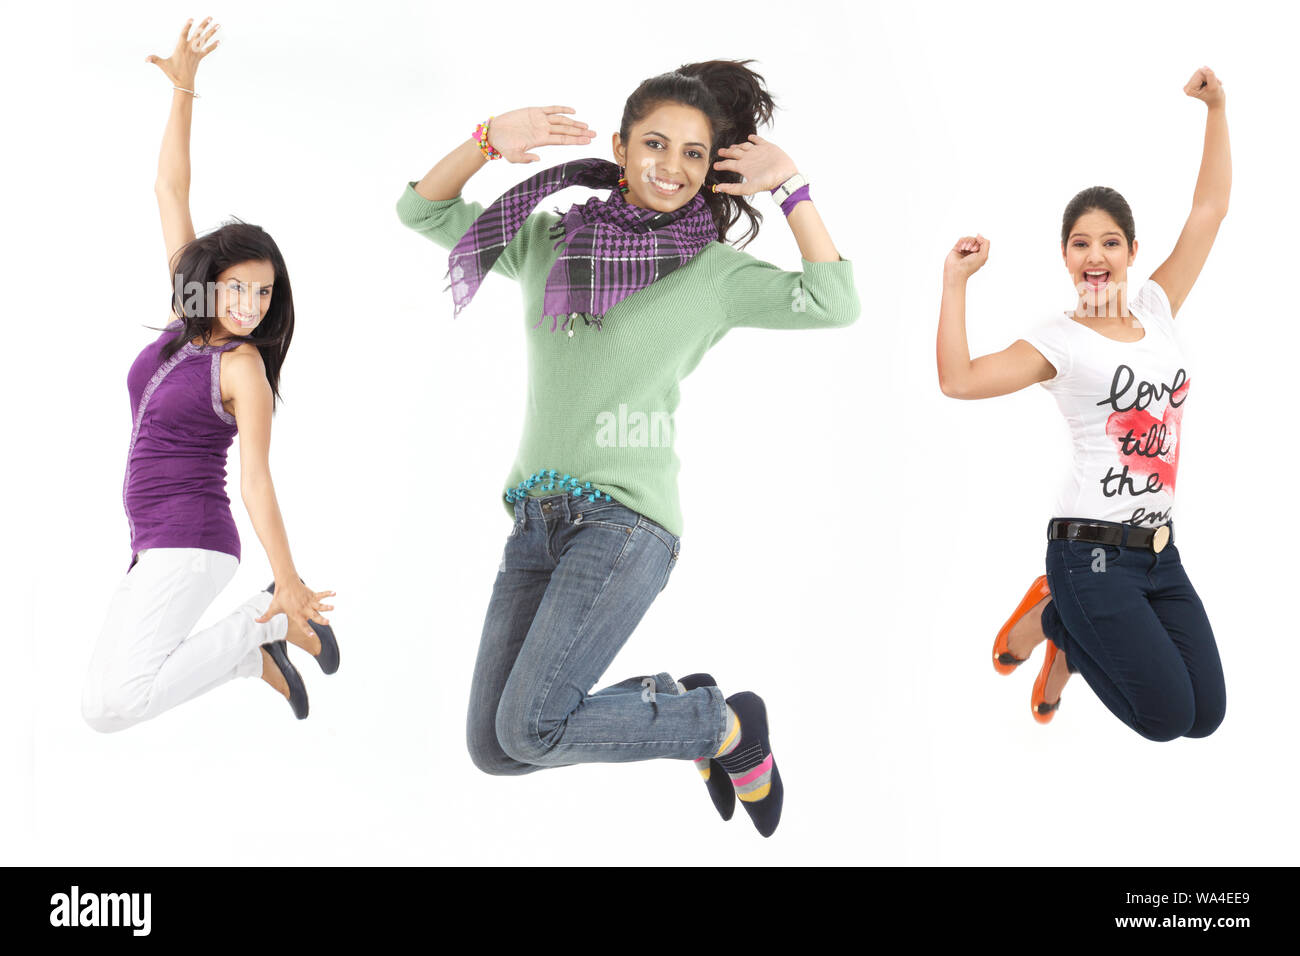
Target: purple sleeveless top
pixel 175 486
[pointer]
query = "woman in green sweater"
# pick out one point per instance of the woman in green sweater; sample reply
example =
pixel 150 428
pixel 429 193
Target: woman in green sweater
pixel 623 296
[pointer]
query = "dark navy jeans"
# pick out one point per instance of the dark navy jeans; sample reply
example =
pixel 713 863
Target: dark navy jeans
pixel 575 579
pixel 1130 622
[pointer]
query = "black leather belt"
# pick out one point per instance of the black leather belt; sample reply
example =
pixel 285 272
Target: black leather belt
pixel 1112 532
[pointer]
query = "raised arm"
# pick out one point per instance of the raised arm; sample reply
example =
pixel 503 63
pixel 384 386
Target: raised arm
pixel 1178 273
pixel 172 187
pixel 758 294
pixel 433 206
pixel 766 166
pixel 1017 366
pixel 512 134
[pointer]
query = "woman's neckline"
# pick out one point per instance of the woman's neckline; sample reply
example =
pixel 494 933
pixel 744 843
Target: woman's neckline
pixel 207 348
pixel 1141 322
pixel 176 324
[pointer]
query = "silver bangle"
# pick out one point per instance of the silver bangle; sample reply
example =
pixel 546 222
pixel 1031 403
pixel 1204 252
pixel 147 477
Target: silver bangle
pixel 183 90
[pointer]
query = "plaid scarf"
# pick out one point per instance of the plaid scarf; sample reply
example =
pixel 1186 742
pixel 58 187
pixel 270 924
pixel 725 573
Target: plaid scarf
pixel 612 247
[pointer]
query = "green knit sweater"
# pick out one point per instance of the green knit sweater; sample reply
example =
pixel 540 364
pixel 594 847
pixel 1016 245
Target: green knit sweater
pixel 600 403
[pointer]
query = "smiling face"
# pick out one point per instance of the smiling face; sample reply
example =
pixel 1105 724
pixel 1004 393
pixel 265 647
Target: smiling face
pixel 666 157
pixel 243 296
pixel 1097 256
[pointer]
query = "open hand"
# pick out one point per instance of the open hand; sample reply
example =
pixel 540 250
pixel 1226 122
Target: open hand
pixel 513 134
pixel 762 163
pixel 300 604
pixel 1205 86
pixel 181 66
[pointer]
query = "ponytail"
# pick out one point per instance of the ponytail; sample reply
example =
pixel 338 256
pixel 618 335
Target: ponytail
pixel 735 101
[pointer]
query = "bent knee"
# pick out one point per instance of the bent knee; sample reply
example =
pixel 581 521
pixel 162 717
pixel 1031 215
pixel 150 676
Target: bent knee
pixel 492 759
pixel 1168 721
pixel 520 738
pixel 102 723
pixel 125 701
pixel 521 744
pixel 1182 715
pixel 93 714
pixel 96 716
pixel 484 749
pixel 1168 726
pixel 1208 719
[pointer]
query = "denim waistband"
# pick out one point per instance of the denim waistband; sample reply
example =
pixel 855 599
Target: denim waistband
pixel 568 507
pixel 561 504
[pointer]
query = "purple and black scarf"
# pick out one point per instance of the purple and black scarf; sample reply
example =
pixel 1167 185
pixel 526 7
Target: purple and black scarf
pixel 612 247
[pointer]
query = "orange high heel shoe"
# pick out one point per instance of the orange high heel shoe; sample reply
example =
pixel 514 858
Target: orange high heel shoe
pixel 1043 711
pixel 1004 662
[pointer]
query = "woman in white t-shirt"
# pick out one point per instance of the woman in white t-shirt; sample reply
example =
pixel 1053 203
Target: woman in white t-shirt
pixel 1115 601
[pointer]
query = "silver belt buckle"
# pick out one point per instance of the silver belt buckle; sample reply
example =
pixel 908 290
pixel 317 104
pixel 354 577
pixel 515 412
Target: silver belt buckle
pixel 1160 538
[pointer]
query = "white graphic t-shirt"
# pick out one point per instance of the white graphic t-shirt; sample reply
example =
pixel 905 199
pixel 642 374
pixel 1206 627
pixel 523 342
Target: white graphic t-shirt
pixel 1123 403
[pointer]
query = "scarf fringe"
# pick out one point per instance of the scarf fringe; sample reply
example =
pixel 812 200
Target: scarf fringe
pixel 458 302
pixel 568 317
pixel 557 230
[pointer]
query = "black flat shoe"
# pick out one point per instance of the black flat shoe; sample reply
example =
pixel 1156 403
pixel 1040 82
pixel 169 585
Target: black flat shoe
pixel 328 658
pixel 297 689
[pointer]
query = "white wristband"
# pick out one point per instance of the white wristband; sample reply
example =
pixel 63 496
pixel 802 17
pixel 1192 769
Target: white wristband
pixel 788 188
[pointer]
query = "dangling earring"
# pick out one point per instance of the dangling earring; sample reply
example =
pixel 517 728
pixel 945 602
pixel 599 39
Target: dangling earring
pixel 622 180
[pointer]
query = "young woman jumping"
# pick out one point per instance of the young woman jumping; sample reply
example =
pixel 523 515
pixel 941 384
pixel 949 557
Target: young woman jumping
pixel 644 285
pixel 1115 601
pixel 212 374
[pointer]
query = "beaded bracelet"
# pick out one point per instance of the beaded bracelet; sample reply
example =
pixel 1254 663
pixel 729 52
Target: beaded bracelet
pixel 481 137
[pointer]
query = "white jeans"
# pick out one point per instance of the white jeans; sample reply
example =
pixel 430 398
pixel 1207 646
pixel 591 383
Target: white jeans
pixel 146 660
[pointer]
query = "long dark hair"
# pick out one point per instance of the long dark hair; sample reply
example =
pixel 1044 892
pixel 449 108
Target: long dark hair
pixel 735 101
pixel 1104 199
pixel 204 258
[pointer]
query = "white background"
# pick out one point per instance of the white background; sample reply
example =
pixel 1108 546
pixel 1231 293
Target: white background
pixel 853 539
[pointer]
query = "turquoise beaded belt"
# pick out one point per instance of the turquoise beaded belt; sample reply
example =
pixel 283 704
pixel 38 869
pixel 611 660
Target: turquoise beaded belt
pixel 548 479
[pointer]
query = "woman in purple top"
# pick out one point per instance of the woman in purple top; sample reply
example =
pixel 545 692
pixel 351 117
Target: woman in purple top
pixel 212 374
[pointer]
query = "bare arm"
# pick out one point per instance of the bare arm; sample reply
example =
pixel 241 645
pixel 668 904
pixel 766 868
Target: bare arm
pixel 449 176
pixel 766 166
pixel 512 134
pixel 810 233
pixel 1179 272
pixel 1017 366
pixel 243 376
pixel 172 187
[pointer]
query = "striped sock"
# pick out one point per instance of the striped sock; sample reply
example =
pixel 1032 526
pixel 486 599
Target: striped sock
pixel 721 792
pixel 746 756
pixel 732 737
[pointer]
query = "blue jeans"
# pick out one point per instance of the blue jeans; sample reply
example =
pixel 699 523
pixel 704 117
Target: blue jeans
pixel 575 579
pixel 1129 620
